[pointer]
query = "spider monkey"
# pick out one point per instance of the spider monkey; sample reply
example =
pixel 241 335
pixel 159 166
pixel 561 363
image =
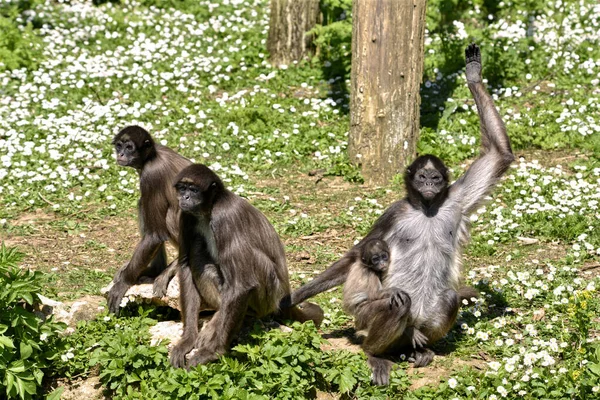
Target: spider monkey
pixel 426 233
pixel 158 211
pixel 230 260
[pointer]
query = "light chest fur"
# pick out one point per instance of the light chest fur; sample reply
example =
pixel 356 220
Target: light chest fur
pixel 426 254
pixel 208 278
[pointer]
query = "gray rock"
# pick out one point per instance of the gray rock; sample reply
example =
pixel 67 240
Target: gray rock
pixel 84 309
pixel 143 293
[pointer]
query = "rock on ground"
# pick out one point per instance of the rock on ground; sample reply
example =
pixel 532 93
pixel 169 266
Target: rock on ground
pixel 88 389
pixel 83 309
pixel 143 293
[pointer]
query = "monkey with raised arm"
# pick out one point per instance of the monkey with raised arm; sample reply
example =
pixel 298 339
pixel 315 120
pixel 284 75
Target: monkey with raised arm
pixel 426 233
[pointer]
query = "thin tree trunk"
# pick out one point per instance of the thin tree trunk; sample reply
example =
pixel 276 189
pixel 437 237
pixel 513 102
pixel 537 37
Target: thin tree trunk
pixel 387 69
pixel 288 24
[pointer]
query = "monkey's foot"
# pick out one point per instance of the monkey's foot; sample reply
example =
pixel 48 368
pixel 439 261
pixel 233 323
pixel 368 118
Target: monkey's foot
pixel 184 346
pixel 473 59
pixel 421 357
pixel 115 295
pixel 380 368
pixel 202 357
pixel 160 285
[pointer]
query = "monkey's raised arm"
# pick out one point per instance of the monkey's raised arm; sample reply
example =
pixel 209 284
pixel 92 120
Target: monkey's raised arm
pixel 496 154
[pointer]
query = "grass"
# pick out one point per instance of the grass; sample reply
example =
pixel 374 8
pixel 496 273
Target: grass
pixel 195 73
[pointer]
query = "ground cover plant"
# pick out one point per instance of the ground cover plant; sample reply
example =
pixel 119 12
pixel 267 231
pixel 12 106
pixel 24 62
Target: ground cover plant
pixel 195 73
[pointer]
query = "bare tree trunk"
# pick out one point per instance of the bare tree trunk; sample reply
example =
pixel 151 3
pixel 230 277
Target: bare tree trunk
pixel 289 22
pixel 387 69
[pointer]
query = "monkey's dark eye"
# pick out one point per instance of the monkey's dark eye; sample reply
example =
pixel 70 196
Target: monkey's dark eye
pixel 375 259
pixel 118 146
pixel 384 257
pixel 194 190
pixel 437 178
pixel 129 147
pixel 421 178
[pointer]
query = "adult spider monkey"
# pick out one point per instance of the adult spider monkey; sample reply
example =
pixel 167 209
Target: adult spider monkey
pixel 230 260
pixel 426 233
pixel 158 211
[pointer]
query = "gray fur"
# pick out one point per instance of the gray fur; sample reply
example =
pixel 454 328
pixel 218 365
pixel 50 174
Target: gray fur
pixel 426 233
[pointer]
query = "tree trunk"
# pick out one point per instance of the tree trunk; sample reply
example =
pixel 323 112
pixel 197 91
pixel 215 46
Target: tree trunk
pixel 288 24
pixel 387 69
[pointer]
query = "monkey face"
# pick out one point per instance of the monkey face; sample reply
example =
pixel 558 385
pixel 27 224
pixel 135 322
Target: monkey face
pixel 426 178
pixel 127 154
pixel 134 146
pixel 197 189
pixel 130 154
pixel 190 197
pixel 429 182
pixel 380 261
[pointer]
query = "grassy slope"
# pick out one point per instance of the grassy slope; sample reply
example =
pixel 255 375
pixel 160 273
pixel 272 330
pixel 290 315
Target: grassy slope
pixel 196 76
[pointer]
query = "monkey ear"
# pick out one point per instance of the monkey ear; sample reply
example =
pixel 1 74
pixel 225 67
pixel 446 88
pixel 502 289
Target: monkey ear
pixel 146 143
pixel 213 185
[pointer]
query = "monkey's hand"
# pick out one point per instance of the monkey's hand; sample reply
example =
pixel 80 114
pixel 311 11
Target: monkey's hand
pixel 421 358
pixel 473 59
pixel 418 338
pixel 399 299
pixel 115 295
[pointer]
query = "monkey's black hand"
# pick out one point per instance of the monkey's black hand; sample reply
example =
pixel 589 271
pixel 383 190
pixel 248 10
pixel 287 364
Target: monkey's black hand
pixel 399 300
pixel 418 338
pixel 115 295
pixel 473 59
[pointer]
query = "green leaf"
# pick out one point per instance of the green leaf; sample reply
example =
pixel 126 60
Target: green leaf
pixel 17 366
pixel 6 342
pixel 347 381
pixel 594 368
pixel 26 350
pixel 56 393
pixel 20 388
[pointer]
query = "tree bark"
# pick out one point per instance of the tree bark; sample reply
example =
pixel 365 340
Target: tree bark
pixel 387 69
pixel 288 24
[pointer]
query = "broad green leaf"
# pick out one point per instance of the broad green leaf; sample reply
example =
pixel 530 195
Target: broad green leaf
pixel 56 393
pixel 26 350
pixel 5 341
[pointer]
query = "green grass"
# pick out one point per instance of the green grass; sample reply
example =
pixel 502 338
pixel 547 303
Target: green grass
pixel 195 73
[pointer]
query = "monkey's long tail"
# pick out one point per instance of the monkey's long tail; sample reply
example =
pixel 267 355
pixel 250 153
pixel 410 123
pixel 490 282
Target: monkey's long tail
pixel 467 293
pixel 333 276
pixel 302 312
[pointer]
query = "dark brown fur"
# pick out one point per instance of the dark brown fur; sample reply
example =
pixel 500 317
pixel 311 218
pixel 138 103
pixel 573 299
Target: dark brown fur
pixel 220 229
pixel 158 211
